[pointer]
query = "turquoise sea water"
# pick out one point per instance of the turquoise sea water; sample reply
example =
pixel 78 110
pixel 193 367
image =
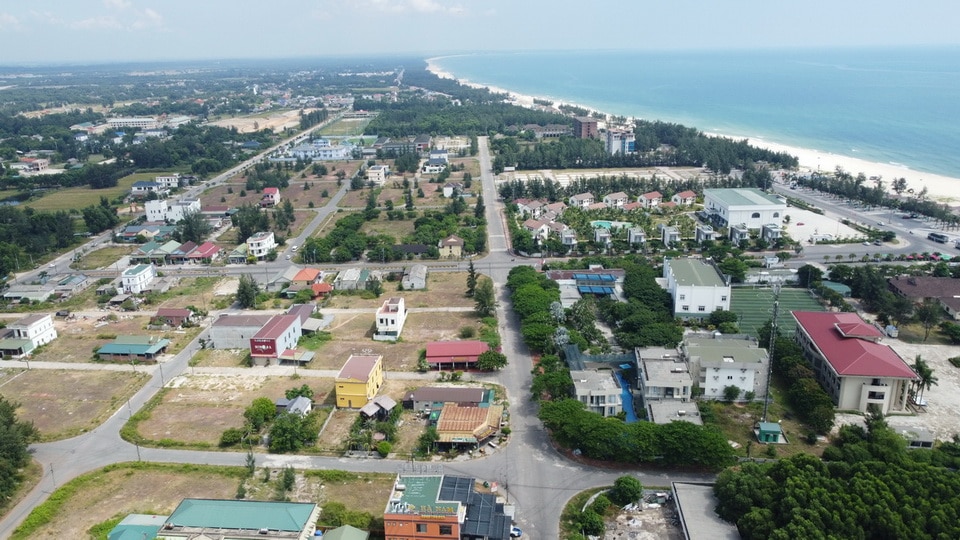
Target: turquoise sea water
pixel 899 106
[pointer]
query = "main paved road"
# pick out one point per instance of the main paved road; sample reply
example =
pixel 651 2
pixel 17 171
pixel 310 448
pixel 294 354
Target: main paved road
pixel 536 478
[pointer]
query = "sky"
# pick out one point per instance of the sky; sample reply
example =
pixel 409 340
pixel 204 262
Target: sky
pixel 98 31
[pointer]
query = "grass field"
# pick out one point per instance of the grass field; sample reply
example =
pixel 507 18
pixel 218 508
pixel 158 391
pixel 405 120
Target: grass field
pixel 346 127
pixel 80 197
pixel 755 307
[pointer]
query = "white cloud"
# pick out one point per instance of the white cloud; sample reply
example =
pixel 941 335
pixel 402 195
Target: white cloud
pixel 443 7
pixel 117 4
pixel 148 19
pixel 8 21
pixel 103 22
pixel 432 6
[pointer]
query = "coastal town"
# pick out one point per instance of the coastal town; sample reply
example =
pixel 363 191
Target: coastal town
pixel 324 316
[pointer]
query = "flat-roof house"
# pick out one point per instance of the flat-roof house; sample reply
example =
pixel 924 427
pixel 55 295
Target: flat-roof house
pixel 212 519
pixel 359 380
pixel 278 338
pixel 378 174
pixel 705 233
pixel 697 287
pixel 455 354
pixel 636 236
pixel 720 361
pixel 390 319
pixel 235 331
pixel 137 279
pixel 26 334
pixel 851 364
pixel 261 243
pixel 414 278
pixel 599 390
pixel 438 506
pixel 669 235
pixel 664 379
pixel 143 349
pixel 747 206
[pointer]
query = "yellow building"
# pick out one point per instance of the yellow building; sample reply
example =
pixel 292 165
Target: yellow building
pixel 451 247
pixel 359 380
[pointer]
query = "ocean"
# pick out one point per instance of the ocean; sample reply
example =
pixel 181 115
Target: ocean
pixel 892 106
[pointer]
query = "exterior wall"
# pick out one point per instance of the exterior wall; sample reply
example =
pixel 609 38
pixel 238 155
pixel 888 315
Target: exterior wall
pixel 715 377
pixel 693 301
pixel 390 323
pixel 405 527
pixel 260 246
pixel 753 216
pixel 232 337
pixel 39 332
pixel 357 394
pixel 156 210
pixel 139 282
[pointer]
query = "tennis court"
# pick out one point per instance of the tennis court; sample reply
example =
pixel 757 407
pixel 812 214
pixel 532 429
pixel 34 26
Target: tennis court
pixel 754 306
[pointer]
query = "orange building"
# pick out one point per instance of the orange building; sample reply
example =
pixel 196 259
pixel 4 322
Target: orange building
pixel 442 507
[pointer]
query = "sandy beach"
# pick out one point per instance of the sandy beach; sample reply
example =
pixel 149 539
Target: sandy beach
pixel 941 188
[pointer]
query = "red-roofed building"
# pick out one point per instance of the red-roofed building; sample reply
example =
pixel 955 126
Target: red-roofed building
pixel 172 316
pixel 275 339
pixel 850 363
pixel 205 253
pixel 455 354
pixel 307 276
pixel 271 197
pixel 321 290
pixel 684 198
pixel 651 199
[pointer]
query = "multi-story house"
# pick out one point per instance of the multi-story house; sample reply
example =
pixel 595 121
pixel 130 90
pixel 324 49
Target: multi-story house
pixel 390 319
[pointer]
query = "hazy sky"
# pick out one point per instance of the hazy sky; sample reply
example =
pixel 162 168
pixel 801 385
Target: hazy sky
pixel 106 30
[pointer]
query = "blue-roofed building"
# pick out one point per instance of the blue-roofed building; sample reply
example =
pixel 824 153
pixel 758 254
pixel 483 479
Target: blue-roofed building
pixel 144 187
pixel 598 281
pixel 137 527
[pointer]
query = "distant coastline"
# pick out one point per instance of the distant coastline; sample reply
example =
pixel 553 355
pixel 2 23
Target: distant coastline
pixel 939 187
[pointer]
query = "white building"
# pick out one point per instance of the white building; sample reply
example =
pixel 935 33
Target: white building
pixel 620 141
pixel 137 279
pixel 720 361
pixel 142 122
pixel 37 328
pixel 616 200
pixel 378 174
pixel 697 288
pixel 582 200
pixel 161 210
pixel 170 181
pixel 599 390
pixel 662 379
pixel 636 236
pixel 260 244
pixel 747 206
pixel 156 210
pixel 390 318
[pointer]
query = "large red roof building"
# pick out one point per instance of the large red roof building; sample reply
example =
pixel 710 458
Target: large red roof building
pixel 454 354
pixel 851 364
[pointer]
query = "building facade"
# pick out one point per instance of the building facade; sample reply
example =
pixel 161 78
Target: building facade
pixel 137 279
pixel 261 244
pixel 697 288
pixel 359 380
pixel 598 390
pixel 390 319
pixel 742 206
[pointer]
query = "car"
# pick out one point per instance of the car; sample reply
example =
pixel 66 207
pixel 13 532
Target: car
pixel 288 257
pixel 866 243
pixel 515 532
pixel 295 248
pixel 880 223
pixel 877 242
pixel 53 265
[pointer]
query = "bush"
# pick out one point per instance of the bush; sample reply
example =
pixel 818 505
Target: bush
pixel 384 449
pixel 231 437
pixel 626 490
pixel 600 504
pixel 468 332
pixel 955 361
pixel 591 523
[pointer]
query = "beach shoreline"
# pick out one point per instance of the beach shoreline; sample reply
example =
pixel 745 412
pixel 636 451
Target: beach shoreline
pixel 939 187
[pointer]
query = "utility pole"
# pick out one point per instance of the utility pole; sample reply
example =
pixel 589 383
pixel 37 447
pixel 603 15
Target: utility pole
pixel 770 348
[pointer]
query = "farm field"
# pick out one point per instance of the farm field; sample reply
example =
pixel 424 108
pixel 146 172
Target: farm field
pixel 66 403
pixel 755 307
pixel 80 197
pixel 345 127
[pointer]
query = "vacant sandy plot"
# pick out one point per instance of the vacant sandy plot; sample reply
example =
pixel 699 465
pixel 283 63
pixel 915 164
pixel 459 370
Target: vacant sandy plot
pixel 276 121
pixel 80 337
pixel 197 409
pixel 219 358
pixel 396 229
pixel 444 289
pixel 63 404
pixel 353 334
pixel 302 192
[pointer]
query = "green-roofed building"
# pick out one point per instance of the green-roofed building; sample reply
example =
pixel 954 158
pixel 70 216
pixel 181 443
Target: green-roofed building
pixel 133 348
pixel 346 533
pixel 743 206
pixel 137 527
pixel 221 519
pixel 697 287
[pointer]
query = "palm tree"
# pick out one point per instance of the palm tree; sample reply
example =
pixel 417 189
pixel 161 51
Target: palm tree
pixel 926 378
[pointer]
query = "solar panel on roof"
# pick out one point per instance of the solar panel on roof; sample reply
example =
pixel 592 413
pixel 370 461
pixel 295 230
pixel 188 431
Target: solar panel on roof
pixel 579 276
pixel 607 277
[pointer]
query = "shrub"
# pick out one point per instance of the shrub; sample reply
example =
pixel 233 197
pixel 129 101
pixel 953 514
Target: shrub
pixel 600 504
pixel 384 449
pixel 468 332
pixel 231 437
pixel 955 361
pixel 626 490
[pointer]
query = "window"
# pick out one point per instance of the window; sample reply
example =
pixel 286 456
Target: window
pixel 701 308
pixel 446 529
pixel 421 527
pixel 776 214
pixel 723 298
pixel 755 215
pixel 685 308
pixel 683 297
pixel 729 377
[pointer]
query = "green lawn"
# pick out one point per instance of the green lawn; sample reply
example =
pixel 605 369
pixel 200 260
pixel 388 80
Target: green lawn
pixel 80 197
pixel 754 306
pixel 346 127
